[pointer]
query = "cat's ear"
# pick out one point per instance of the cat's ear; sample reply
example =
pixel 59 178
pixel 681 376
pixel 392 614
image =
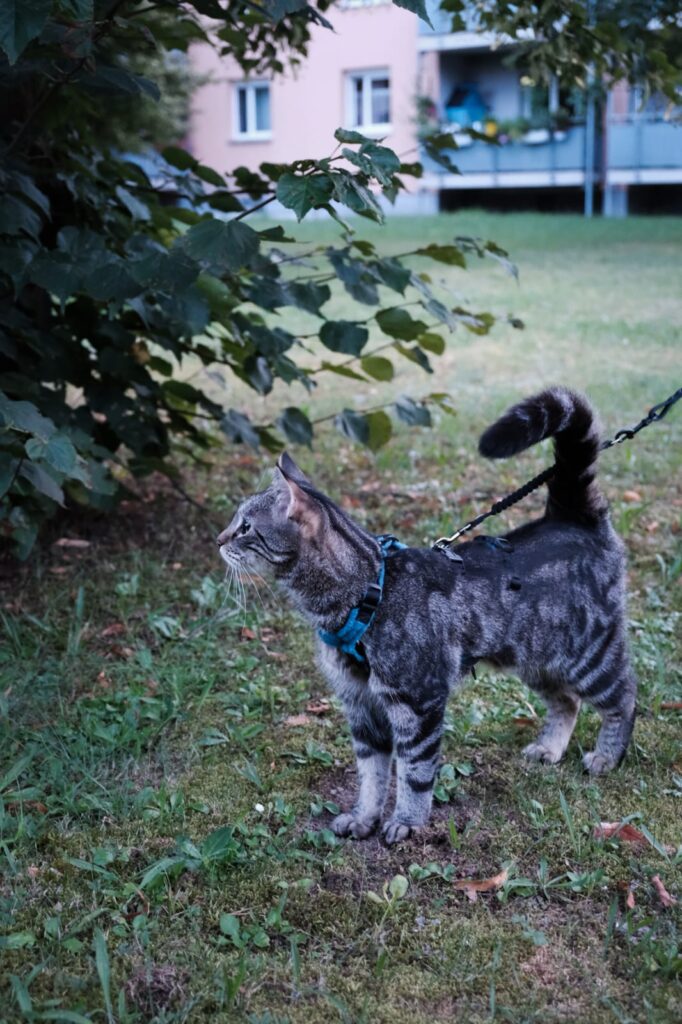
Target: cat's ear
pixel 290 470
pixel 300 506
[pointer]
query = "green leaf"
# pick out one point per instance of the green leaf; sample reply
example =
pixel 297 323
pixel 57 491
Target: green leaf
pixel 55 272
pixel 398 885
pixel 103 970
pixel 136 209
pixel 21 22
pixel 412 413
pixel 16 217
pixel 353 425
pixel 417 7
pixel 210 176
pixel 42 481
pixel 352 137
pixel 239 428
pixel 229 925
pixel 377 367
pixel 380 429
pixel 344 336
pixel 432 343
pixel 180 158
pixel 302 193
pixel 398 323
pixel 443 400
pixel 17 940
pixel 24 416
pixel 295 426
pixel 218 845
pixel 58 452
pixel 307 295
pixel 172 866
pixel 449 254
pixel 343 371
pixel 231 245
pixel 415 355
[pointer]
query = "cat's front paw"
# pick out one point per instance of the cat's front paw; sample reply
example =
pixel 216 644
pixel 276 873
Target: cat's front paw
pixel 542 753
pixel 394 831
pixel 597 764
pixel 357 828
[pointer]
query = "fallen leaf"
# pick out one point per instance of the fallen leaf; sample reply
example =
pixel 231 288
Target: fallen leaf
pixel 628 833
pixel 630 899
pixel 103 680
pixel 36 805
pixel 618 830
pixel 318 707
pixel 631 496
pixel 652 527
pixel 472 886
pixel 71 542
pixel 520 722
pixel 176 565
pixel 294 720
pixel 247 634
pixel 32 871
pixel 664 896
pixel 276 655
pixel 115 629
pixel 58 570
pixel 120 651
pixel 671 705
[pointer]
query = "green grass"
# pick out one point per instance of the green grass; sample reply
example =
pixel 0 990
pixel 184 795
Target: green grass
pixel 164 824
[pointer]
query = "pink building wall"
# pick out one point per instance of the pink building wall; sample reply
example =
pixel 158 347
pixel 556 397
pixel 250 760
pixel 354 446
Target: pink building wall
pixel 308 104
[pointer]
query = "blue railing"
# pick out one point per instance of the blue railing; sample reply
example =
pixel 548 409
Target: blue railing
pixel 643 142
pixel 557 154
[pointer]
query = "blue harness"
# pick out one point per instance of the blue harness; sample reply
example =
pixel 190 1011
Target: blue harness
pixel 360 618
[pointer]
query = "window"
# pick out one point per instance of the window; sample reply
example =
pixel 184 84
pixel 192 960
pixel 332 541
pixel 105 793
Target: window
pixel 252 110
pixel 368 100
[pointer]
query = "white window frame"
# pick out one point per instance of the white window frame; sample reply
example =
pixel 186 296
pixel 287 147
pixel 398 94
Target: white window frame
pixel 251 134
pixel 367 76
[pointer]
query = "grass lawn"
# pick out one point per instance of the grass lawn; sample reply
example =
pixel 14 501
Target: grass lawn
pixel 169 763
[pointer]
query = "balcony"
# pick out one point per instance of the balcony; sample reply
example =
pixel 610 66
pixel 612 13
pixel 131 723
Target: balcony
pixel 641 149
pixel 559 160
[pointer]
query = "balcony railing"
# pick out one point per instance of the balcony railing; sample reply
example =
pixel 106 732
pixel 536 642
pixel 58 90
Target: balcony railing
pixel 563 151
pixel 642 142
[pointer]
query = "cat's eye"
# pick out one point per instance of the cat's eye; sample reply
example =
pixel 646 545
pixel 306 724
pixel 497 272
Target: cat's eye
pixel 244 528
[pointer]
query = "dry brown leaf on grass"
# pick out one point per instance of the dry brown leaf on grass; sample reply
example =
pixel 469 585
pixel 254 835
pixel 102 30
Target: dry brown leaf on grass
pixel 115 629
pixel 630 899
pixel 631 496
pixel 472 886
pixel 71 542
pixel 628 833
pixel 318 707
pixel 295 720
pixel 247 634
pixel 664 896
pixel 522 723
pixel 618 830
pixel 671 705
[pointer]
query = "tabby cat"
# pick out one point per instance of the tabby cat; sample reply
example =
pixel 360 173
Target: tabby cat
pixel 547 604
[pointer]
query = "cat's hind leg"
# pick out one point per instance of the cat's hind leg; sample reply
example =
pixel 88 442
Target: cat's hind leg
pixel 557 729
pixel 615 702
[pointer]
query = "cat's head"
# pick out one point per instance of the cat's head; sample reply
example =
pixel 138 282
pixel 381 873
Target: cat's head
pixel 296 531
pixel 273 525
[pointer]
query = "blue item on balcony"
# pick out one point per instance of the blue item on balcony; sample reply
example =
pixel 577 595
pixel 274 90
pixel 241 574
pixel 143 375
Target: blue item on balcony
pixel 465 106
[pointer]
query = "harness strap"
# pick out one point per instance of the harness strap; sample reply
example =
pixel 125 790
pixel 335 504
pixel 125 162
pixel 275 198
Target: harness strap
pixel 360 618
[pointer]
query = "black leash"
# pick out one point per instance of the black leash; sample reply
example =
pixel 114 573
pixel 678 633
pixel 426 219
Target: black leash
pixel 657 412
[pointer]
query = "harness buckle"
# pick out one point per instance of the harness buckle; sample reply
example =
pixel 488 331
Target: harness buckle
pixel 369 603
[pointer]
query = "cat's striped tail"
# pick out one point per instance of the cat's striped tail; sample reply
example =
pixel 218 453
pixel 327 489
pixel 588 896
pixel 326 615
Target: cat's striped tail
pixel 570 420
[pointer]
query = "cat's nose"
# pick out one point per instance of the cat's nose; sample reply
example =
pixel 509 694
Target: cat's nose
pixel 223 537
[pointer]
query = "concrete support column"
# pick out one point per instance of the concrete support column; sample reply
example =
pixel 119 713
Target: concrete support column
pixel 615 201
